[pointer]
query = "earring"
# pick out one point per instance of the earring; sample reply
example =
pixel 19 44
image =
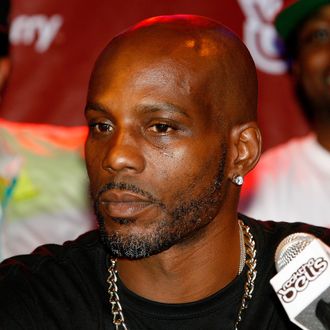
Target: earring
pixel 238 180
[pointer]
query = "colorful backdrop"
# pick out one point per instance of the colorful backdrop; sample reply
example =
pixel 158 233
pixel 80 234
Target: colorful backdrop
pixel 55 43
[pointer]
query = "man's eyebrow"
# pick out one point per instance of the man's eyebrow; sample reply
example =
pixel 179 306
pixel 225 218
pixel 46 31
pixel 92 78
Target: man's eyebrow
pixel 154 107
pixel 91 106
pixel 143 108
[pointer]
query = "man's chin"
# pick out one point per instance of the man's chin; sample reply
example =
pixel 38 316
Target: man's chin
pixel 133 247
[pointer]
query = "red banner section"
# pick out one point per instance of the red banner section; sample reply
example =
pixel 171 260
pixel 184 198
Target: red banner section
pixel 55 43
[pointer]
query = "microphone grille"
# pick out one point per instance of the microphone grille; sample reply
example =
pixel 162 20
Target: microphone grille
pixel 290 247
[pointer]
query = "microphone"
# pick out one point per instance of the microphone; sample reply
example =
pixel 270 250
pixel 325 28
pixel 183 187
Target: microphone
pixel 302 283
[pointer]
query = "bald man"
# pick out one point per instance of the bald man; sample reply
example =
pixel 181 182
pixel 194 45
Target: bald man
pixel 171 110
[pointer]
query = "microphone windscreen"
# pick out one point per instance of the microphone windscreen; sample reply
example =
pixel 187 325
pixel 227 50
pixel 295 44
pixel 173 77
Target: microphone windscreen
pixel 290 247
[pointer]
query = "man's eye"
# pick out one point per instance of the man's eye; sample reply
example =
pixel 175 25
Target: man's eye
pixel 161 128
pixel 101 128
pixel 320 36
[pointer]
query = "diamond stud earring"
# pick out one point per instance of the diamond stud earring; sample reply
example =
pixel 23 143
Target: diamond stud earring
pixel 238 180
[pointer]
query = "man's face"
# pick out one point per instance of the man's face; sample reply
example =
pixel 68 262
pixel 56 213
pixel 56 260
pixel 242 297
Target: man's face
pixel 155 152
pixel 313 61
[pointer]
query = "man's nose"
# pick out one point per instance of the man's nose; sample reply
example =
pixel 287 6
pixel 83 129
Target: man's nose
pixel 124 153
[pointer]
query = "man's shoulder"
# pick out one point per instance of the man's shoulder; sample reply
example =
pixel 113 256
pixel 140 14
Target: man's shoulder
pixel 55 285
pixel 278 230
pixel 50 256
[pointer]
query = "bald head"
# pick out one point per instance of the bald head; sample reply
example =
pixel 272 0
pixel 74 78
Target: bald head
pixel 212 53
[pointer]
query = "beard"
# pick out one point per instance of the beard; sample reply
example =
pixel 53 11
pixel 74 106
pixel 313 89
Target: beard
pixel 184 221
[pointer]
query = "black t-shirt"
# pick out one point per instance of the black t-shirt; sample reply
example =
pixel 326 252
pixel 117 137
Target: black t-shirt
pixel 64 287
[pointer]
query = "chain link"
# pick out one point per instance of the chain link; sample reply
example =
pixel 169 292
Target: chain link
pixel 116 310
pixel 251 262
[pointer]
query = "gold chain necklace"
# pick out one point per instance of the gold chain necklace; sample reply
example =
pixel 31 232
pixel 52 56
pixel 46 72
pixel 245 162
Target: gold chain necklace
pixel 250 260
pixel 242 257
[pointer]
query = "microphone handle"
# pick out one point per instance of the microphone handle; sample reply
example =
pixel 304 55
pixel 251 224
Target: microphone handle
pixel 323 313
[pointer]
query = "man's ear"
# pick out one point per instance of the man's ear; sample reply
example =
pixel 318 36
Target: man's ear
pixel 245 148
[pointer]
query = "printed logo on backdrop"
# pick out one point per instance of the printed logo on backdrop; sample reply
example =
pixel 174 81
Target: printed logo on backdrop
pixel 260 35
pixel 38 31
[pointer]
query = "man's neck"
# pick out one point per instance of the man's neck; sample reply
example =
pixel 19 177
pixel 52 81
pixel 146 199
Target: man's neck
pixel 187 272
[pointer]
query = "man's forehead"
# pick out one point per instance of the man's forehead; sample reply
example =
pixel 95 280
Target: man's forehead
pixel 154 79
pixel 187 80
pixel 192 76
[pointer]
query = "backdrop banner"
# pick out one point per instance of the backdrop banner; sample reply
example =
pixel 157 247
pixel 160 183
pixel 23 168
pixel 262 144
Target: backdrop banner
pixel 55 43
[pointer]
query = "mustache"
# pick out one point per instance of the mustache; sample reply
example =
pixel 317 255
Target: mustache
pixel 128 187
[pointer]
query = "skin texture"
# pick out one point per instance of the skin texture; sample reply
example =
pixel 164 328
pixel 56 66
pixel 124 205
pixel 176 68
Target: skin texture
pixel 311 70
pixel 171 108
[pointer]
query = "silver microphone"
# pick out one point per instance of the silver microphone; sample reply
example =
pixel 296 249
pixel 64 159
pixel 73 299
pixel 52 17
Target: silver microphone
pixel 302 283
pixel 290 247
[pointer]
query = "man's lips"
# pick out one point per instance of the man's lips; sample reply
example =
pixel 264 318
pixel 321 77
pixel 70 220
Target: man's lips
pixel 124 204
